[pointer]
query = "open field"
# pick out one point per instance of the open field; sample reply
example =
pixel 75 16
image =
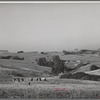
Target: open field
pixel 71 89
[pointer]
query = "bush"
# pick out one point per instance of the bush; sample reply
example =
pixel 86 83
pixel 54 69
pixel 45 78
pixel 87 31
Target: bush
pixel 18 74
pixel 65 52
pixel 43 53
pixel 82 76
pixel 18 58
pixel 67 75
pixel 6 57
pixel 68 52
pixel 94 67
pixel 20 52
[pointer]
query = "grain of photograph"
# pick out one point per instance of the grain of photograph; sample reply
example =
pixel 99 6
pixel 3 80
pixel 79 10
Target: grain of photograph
pixel 50 50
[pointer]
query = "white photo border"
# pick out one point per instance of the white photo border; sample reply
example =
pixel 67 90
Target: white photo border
pixel 49 1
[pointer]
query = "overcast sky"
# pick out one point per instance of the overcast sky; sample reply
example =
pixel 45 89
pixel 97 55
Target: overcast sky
pixel 49 27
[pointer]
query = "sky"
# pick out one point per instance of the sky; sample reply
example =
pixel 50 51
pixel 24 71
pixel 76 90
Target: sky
pixel 49 27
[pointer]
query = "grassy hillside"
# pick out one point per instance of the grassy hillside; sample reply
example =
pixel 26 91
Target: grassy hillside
pixel 29 66
pixel 95 72
pixel 26 67
pixel 87 67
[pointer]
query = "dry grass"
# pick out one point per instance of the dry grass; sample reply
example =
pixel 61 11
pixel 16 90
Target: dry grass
pixel 48 92
pixel 87 90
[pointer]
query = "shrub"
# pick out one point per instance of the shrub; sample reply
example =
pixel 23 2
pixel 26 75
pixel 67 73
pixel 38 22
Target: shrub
pixel 43 53
pixel 17 58
pixel 67 75
pixel 94 67
pixel 16 73
pixel 64 51
pixel 20 52
pixel 82 76
pixel 68 52
pixel 6 57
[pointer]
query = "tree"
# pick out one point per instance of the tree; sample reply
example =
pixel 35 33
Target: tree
pixel 65 52
pixel 42 61
pixel 50 63
pixel 58 65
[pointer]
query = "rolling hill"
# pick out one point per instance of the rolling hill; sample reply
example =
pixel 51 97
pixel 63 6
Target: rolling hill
pixel 25 68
